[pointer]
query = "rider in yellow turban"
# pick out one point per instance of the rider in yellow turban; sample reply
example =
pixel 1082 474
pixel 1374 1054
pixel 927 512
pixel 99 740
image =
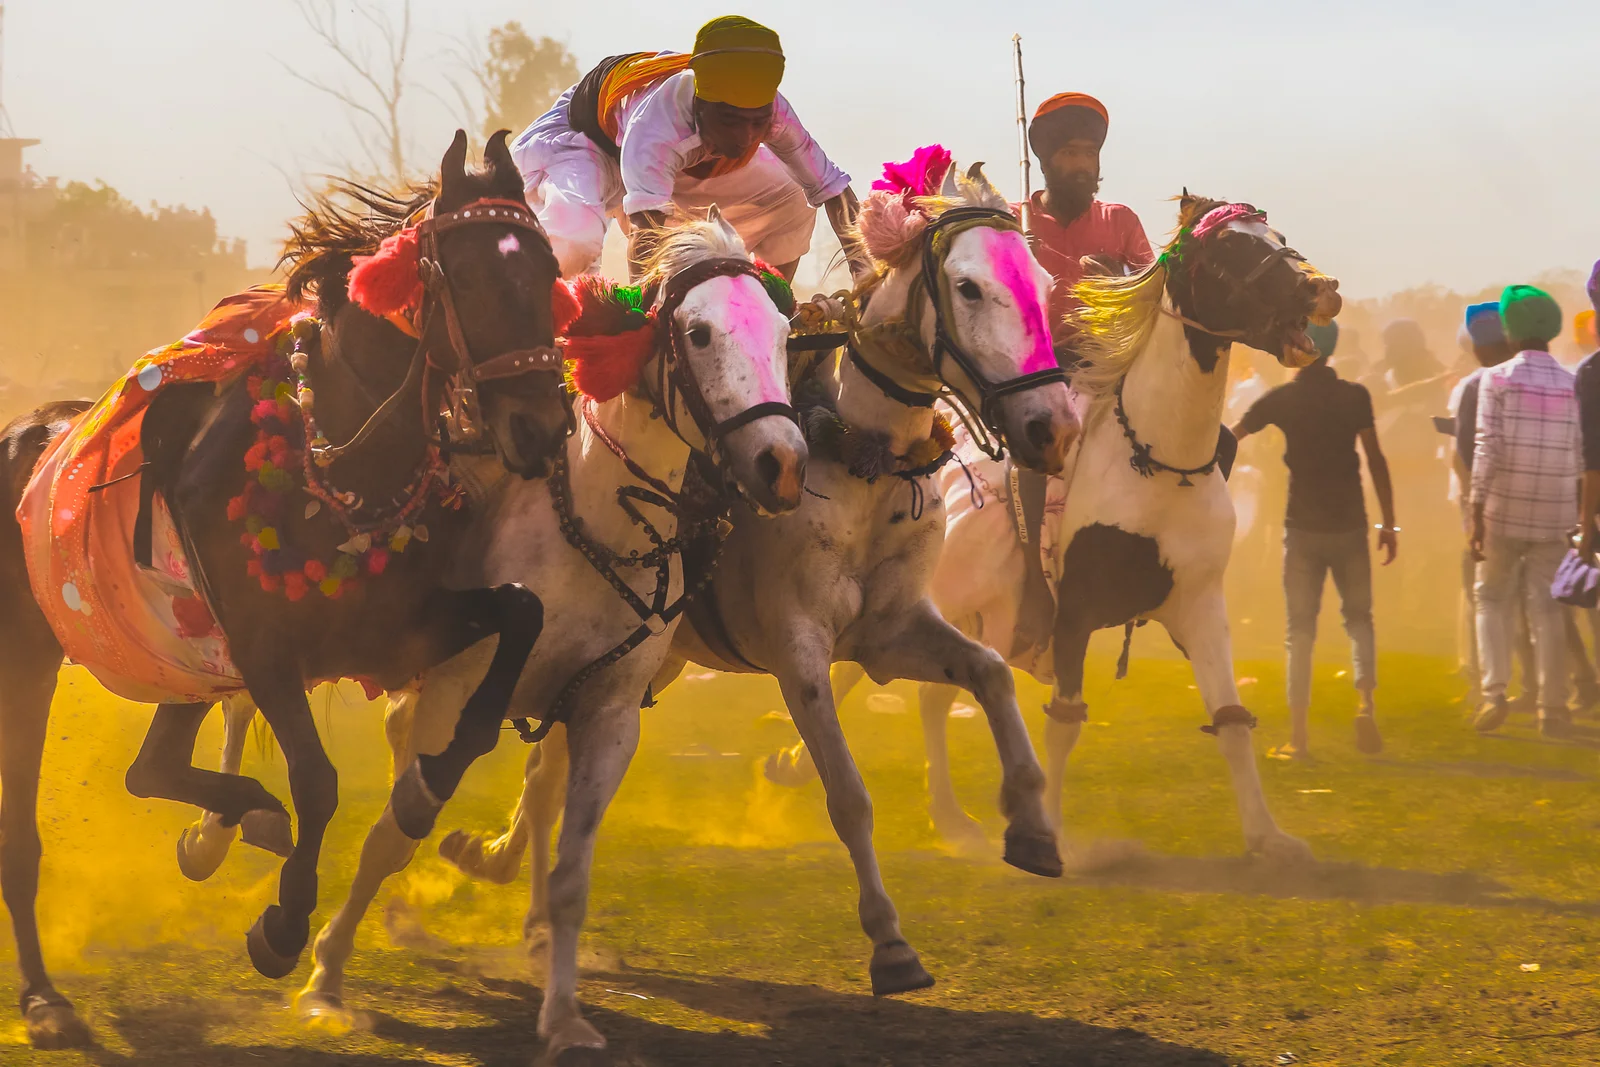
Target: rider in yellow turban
pixel 737 61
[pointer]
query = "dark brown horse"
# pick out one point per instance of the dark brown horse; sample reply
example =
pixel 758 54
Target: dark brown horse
pixel 484 320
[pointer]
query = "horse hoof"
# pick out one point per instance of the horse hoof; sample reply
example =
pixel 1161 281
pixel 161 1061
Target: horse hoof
pixel 324 1011
pixel 1034 853
pixel 53 1024
pixel 270 961
pixel 195 864
pixel 413 804
pixel 269 830
pixel 1283 848
pixel 895 968
pixel 575 1043
pixel 467 852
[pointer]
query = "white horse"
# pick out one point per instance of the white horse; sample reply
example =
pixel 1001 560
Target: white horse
pixel 713 379
pixel 1147 523
pixel 846 576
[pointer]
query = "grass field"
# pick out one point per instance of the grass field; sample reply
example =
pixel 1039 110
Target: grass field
pixel 723 930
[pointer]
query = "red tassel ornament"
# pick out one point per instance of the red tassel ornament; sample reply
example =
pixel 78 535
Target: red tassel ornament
pixel 387 282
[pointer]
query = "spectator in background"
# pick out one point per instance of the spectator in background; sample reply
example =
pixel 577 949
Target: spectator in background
pixel 1523 499
pixel 1325 527
pixel 1588 389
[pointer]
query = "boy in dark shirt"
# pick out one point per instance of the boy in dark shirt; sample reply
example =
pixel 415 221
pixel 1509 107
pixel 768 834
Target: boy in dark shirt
pixel 1325 528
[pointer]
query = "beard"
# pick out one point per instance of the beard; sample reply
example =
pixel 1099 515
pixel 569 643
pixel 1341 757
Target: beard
pixel 1071 194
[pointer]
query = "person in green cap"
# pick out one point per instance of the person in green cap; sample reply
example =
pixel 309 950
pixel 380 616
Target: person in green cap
pixel 652 136
pixel 1524 499
pixel 1322 417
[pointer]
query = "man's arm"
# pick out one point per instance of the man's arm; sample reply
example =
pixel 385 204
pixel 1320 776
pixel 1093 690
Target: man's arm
pixel 1587 387
pixel 1485 455
pixel 1378 468
pixel 643 229
pixel 842 211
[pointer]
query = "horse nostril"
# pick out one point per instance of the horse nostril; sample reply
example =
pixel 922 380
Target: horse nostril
pixel 1037 431
pixel 769 469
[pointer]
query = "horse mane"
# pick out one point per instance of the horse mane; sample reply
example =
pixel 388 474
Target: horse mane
pixel 344 220
pixel 890 224
pixel 686 244
pixel 1118 314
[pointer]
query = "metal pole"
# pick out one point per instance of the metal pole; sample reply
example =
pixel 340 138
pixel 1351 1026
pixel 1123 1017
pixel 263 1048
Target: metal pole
pixel 1022 133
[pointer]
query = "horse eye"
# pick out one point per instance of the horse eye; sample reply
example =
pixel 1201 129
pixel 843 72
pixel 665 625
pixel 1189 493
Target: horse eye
pixel 700 336
pixel 969 290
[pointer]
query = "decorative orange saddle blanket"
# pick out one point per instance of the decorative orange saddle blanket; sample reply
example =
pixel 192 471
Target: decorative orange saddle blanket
pixel 145 633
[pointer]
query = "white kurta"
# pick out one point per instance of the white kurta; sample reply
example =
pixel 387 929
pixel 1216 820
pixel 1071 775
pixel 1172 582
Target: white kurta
pixel 574 186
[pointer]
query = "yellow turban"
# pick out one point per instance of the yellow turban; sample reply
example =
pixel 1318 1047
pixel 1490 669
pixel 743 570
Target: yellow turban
pixel 737 61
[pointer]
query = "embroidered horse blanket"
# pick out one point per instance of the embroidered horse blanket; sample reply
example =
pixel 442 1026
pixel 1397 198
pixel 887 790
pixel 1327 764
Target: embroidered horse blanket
pixel 145 633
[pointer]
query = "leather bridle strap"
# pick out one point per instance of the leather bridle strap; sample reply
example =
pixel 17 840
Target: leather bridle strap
pixel 887 385
pixel 947 225
pixel 676 373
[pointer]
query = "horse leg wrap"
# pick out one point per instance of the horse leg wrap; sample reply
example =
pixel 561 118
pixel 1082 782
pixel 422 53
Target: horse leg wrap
pixel 1067 711
pixel 413 804
pixel 1230 715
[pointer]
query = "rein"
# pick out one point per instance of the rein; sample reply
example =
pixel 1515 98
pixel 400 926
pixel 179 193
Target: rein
pixel 900 340
pixel 463 373
pixel 697 520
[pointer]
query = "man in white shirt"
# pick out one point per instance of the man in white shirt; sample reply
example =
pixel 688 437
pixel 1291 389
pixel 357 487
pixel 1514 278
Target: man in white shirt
pixel 1524 496
pixel 650 136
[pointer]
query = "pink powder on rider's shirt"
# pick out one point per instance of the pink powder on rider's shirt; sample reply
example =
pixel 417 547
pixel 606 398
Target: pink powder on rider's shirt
pixel 1013 268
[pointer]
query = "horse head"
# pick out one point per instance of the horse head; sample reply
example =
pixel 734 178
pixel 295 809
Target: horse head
pixel 492 279
pixel 721 378
pixel 1236 277
pixel 984 301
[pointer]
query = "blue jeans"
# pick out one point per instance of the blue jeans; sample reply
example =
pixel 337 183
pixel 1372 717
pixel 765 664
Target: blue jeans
pixel 1308 558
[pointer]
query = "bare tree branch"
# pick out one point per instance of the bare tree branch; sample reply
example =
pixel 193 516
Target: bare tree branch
pixel 382 133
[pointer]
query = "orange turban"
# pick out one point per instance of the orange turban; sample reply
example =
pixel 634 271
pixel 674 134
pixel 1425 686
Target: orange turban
pixel 1067 117
pixel 1583 329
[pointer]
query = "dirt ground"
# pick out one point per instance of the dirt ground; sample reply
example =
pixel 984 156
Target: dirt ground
pixel 722 928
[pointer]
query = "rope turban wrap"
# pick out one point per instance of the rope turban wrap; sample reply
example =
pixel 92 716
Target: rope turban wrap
pixel 1529 314
pixel 1067 117
pixel 736 61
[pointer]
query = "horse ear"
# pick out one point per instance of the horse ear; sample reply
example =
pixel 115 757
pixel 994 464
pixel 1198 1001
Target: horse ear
pixel 948 189
pixel 716 218
pixel 453 168
pixel 502 168
pixel 976 176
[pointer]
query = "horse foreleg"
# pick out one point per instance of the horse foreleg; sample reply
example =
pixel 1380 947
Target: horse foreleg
pixel 541 806
pixel 385 852
pixel 517 616
pixel 925 648
pixel 895 967
pixel 793 766
pixel 601 740
pixel 204 844
pixel 1200 626
pixel 950 820
pixel 28 674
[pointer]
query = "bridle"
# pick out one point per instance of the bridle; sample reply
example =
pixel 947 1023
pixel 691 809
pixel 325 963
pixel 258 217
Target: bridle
pixel 675 377
pixel 984 424
pixel 462 422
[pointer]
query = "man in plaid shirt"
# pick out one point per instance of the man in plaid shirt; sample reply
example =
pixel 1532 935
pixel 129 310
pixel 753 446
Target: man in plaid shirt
pixel 1524 498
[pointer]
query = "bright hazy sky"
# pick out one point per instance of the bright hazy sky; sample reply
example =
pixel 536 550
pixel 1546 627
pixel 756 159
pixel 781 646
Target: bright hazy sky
pixel 1395 142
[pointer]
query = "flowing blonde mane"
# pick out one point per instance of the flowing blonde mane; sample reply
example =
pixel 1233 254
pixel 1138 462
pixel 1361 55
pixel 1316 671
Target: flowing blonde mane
pixel 1115 322
pixel 1118 315
pixel 687 244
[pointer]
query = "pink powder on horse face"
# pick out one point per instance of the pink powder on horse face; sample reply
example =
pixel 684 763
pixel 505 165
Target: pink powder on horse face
pixel 749 316
pixel 1014 268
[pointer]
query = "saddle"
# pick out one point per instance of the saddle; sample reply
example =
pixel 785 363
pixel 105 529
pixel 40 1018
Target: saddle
pixel 104 555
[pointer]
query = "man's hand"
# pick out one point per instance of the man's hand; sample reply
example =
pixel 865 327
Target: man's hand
pixel 1586 542
pixel 1477 538
pixel 1389 541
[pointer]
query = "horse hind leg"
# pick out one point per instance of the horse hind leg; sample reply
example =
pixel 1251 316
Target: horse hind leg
pixel 495 859
pixel 950 821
